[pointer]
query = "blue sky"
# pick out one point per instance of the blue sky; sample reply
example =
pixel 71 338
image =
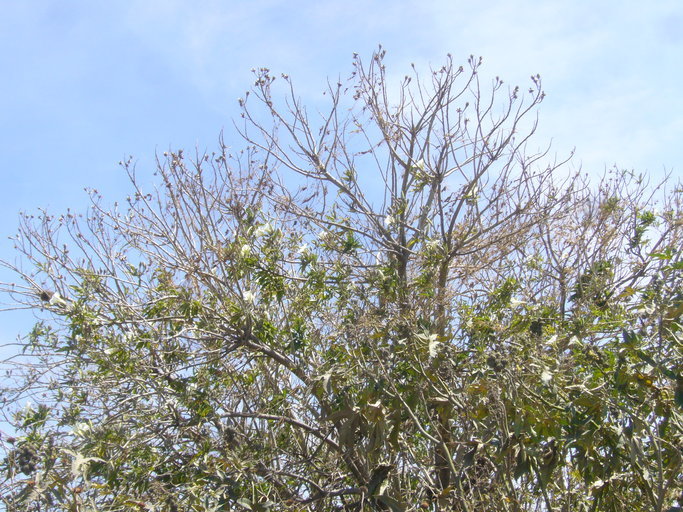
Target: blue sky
pixel 86 83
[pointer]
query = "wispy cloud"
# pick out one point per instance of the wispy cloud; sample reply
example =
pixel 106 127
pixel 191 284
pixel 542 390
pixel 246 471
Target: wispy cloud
pixel 606 87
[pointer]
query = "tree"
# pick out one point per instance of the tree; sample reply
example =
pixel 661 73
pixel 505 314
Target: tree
pixel 394 304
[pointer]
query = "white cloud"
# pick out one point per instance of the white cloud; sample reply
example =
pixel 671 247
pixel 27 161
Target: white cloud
pixel 610 69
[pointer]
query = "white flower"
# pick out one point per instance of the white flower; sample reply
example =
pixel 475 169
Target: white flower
pixel 473 194
pixel 245 250
pixel 249 296
pixel 263 229
pixel 598 484
pixel 303 249
pixel 81 429
pixel 389 221
pixel 420 164
pixel 433 345
pixel 546 376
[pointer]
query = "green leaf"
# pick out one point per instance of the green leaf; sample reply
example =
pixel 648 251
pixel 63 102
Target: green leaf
pixel 377 478
pixel 522 463
pixel 341 414
pixel 246 503
pixel 393 505
pixel 678 394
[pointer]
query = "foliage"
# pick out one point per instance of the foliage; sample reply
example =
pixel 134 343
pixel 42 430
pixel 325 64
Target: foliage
pixel 393 304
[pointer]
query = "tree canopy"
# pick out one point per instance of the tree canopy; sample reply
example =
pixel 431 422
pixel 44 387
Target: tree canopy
pixel 392 300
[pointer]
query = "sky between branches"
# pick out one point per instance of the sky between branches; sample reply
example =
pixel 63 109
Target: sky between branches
pixel 87 83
